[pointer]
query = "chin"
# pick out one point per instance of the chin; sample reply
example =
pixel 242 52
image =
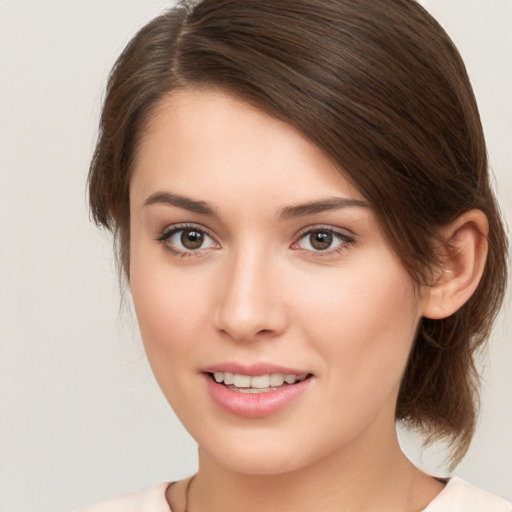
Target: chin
pixel 261 453
pixel 259 462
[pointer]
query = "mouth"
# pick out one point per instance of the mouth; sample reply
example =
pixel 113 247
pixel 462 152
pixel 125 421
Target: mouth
pixel 256 390
pixel 265 383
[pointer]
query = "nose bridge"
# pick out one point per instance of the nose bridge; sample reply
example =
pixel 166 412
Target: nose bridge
pixel 250 305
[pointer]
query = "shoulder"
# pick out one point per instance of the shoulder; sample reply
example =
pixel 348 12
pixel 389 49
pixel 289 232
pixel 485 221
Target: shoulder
pixel 459 496
pixel 152 500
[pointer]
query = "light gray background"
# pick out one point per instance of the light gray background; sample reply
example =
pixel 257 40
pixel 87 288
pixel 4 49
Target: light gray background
pixel 81 418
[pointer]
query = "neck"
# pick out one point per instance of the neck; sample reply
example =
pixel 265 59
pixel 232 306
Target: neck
pixel 368 475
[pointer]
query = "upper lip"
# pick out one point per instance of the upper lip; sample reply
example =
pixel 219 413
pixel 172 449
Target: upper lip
pixel 254 369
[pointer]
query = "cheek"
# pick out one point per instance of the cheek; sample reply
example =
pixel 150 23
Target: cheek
pixel 171 316
pixel 364 324
pixel 163 312
pixel 170 307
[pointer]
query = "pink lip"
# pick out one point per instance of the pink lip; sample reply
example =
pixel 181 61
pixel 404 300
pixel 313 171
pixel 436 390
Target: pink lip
pixel 252 369
pixel 255 405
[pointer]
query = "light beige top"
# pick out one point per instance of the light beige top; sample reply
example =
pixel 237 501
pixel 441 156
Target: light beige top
pixel 457 496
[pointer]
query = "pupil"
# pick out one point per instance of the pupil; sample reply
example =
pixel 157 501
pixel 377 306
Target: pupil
pixel 192 239
pixel 321 240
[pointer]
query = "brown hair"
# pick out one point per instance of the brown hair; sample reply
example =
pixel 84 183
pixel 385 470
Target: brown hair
pixel 379 87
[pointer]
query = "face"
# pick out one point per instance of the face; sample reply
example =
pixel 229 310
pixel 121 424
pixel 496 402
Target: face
pixel 276 318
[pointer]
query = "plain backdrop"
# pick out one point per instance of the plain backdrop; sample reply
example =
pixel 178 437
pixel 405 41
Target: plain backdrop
pixel 81 418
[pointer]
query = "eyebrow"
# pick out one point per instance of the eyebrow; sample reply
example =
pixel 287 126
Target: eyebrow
pixel 331 203
pixel 284 213
pixel 186 203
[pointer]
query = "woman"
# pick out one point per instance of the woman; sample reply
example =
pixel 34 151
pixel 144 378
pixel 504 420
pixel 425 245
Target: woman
pixel 300 198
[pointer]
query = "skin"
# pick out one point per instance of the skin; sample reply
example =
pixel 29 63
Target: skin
pixel 257 290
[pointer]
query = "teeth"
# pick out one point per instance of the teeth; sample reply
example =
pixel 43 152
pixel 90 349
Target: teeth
pixel 271 380
pixel 260 382
pixel 276 379
pixel 242 381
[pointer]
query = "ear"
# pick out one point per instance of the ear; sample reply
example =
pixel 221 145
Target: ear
pixel 463 265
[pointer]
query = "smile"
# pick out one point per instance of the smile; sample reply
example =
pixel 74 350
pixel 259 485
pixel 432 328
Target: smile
pixel 256 383
pixel 254 394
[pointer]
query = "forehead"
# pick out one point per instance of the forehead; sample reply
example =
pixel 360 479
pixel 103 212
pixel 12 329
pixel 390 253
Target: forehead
pixel 209 140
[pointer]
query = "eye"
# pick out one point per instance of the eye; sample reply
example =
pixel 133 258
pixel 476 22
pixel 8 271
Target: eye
pixel 186 239
pixel 323 240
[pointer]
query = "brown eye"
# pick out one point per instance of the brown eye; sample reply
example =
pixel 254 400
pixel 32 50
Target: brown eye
pixel 187 240
pixel 191 239
pixel 321 240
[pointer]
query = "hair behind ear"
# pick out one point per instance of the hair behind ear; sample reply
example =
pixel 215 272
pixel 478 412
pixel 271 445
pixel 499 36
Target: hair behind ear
pixel 439 391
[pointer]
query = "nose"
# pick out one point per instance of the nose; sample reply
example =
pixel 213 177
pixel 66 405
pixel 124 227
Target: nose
pixel 250 305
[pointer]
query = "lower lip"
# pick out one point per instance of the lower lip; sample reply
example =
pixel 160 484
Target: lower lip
pixel 254 405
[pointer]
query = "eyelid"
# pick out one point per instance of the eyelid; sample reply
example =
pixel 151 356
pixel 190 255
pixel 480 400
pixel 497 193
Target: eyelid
pixel 344 232
pixel 172 228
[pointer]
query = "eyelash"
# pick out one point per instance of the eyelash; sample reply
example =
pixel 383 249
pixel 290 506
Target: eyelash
pixel 344 239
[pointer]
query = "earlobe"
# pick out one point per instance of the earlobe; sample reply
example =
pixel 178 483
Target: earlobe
pixel 463 265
